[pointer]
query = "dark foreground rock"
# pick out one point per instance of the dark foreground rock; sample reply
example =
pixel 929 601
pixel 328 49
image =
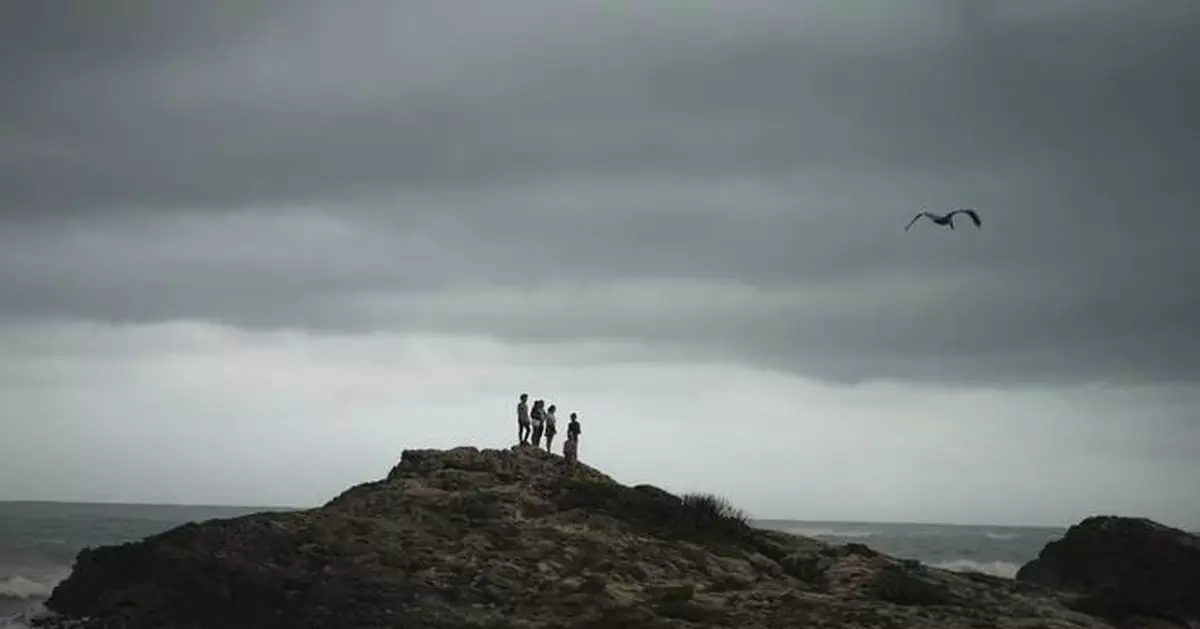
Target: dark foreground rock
pixel 1125 567
pixel 512 539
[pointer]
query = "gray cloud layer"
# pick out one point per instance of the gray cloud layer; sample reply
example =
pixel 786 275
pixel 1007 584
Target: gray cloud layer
pixel 626 167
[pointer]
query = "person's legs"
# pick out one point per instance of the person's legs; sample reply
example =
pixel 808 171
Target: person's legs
pixel 537 436
pixel 523 433
pixel 549 441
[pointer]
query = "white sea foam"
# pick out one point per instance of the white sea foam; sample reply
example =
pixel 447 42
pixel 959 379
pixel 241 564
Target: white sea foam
pixel 25 589
pixel 26 619
pixel 818 532
pixel 1004 569
pixel 23 620
pixel 1001 536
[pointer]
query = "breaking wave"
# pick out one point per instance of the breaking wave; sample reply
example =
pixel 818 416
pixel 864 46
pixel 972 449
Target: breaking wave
pixel 23 620
pixel 1003 537
pixel 818 532
pixel 1004 569
pixel 24 589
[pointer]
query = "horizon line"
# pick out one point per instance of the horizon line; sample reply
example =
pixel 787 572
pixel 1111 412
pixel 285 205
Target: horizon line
pixel 302 508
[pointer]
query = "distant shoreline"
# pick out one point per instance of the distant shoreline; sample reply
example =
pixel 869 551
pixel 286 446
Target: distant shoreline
pixel 181 505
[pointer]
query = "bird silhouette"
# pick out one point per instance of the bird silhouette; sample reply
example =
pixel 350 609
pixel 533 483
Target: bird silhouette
pixel 945 220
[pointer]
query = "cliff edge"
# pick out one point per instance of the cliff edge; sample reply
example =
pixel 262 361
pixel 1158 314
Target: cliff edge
pixel 516 539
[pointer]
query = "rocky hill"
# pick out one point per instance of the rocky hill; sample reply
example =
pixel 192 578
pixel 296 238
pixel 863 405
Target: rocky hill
pixel 515 539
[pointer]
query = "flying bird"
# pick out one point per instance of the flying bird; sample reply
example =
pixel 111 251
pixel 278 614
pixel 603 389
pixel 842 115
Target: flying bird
pixel 945 220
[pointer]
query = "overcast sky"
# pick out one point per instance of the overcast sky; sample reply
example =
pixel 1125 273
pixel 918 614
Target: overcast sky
pixel 251 250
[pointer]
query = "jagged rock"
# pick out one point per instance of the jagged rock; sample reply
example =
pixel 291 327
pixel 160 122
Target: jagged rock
pixel 515 538
pixel 1125 568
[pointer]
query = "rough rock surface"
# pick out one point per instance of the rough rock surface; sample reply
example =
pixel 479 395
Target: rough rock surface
pixel 1125 567
pixel 515 539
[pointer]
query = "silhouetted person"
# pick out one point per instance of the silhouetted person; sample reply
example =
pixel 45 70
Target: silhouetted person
pixel 551 426
pixel 571 446
pixel 538 415
pixel 523 419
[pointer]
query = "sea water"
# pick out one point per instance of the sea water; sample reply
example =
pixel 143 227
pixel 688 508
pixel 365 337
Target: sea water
pixel 996 550
pixel 39 541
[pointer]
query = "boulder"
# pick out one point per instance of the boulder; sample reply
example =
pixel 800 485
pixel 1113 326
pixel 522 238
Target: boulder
pixel 1124 568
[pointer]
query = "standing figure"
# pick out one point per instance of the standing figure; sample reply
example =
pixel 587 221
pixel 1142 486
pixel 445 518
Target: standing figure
pixel 538 415
pixel 551 426
pixel 523 419
pixel 571 446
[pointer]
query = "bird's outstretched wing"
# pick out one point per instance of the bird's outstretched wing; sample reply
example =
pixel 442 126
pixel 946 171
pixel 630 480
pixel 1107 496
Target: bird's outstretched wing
pixel 915 218
pixel 969 212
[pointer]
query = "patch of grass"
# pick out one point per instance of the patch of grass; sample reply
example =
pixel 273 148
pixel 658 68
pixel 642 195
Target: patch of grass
pixel 709 512
pixel 694 516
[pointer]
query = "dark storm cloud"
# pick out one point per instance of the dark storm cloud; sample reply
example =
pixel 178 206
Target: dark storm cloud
pixel 312 101
pixel 779 145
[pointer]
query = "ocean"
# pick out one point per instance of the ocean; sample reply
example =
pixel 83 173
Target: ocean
pixel 997 550
pixel 39 541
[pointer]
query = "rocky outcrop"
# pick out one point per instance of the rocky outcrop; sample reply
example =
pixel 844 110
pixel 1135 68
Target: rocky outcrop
pixel 1125 568
pixel 515 539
